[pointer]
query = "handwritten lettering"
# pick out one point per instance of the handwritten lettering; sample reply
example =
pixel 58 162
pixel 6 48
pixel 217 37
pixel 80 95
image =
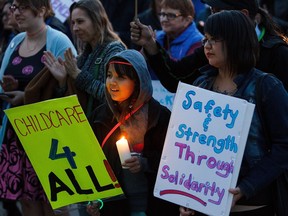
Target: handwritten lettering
pixel 210 109
pixel 57 185
pixel 60 8
pixel 218 145
pixel 208 189
pixel 223 169
pixel 52 119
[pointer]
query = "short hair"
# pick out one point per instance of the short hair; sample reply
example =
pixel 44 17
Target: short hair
pixel 185 7
pixel 239 36
pixel 36 5
pixel 98 15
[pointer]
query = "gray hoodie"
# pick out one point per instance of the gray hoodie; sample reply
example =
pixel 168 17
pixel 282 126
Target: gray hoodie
pixel 135 184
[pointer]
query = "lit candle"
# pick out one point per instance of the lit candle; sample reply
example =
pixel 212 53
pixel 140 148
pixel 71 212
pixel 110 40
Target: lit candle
pixel 123 150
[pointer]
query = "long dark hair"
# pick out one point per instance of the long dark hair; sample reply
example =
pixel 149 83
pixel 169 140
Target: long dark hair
pixel 239 36
pixel 270 26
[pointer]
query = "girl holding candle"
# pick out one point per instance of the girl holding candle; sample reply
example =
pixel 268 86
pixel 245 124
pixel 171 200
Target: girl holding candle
pixel 143 122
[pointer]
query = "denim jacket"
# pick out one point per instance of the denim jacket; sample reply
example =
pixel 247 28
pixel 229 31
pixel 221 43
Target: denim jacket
pixel 263 161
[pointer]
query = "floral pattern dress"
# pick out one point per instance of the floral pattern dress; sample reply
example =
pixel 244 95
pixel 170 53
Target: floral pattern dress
pixel 18 179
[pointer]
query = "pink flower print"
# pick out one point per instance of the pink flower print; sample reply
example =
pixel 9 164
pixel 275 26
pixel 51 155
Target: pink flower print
pixel 27 70
pixel 17 60
pixel 43 59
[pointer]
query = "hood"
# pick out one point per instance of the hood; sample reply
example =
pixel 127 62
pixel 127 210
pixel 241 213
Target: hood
pixel 137 60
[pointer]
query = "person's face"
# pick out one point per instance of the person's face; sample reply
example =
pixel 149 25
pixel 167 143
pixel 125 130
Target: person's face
pixel 120 88
pixel 83 27
pixel 214 51
pixel 172 22
pixel 6 16
pixel 23 15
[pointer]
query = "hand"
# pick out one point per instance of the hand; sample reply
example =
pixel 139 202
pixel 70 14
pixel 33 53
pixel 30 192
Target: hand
pixel 186 211
pixel 143 35
pixel 70 64
pixel 133 164
pixel 237 195
pixel 56 67
pixel 15 98
pixel 93 210
pixel 9 83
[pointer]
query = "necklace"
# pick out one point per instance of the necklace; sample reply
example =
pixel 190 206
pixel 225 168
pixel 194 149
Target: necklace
pixel 226 92
pixel 29 47
pixel 31 35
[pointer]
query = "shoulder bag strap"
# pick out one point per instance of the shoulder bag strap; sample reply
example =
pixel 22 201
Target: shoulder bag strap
pixel 118 124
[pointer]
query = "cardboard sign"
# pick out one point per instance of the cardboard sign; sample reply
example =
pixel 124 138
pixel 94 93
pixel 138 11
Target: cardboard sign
pixel 61 8
pixel 203 149
pixel 161 94
pixel 64 151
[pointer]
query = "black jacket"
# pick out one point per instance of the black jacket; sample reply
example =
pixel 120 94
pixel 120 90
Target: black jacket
pixel 154 139
pixel 273 59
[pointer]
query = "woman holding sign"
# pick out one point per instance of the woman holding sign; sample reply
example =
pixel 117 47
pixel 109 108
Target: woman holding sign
pixel 22 61
pixel 231 47
pixel 131 112
pixel 93 29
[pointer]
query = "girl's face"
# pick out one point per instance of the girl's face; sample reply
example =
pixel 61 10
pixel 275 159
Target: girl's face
pixel 120 88
pixel 83 27
pixel 214 51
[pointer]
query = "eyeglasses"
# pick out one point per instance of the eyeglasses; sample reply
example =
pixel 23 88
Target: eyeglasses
pixel 21 8
pixel 211 42
pixel 169 16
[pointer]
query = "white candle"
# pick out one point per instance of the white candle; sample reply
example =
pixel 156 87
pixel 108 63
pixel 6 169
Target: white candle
pixel 123 150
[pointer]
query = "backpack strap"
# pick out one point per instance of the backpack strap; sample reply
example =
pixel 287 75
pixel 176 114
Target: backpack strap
pixel 118 124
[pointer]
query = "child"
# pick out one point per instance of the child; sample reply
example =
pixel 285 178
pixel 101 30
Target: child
pixel 143 122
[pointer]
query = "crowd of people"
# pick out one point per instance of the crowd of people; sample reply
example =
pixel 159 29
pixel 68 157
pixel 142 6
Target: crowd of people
pixel 108 56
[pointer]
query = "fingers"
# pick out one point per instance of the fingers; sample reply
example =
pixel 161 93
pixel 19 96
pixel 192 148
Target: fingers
pixel 50 59
pixel 135 30
pixel 92 210
pixel 9 83
pixel 235 191
pixel 61 61
pixel 133 164
pixel 237 194
pixel 186 211
pixel 69 54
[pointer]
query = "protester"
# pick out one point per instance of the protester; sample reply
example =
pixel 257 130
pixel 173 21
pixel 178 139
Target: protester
pixel 22 61
pixel 273 47
pixel 179 35
pixel 232 71
pixel 91 25
pixel 10 28
pixel 278 9
pixel 143 122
